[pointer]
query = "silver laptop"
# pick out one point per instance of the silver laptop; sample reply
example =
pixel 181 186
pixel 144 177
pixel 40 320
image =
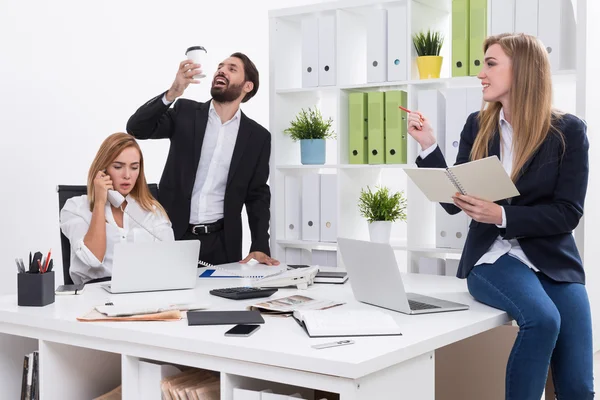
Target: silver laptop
pixel 150 266
pixel 376 279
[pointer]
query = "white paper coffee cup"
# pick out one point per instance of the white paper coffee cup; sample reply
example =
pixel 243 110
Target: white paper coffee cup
pixel 198 55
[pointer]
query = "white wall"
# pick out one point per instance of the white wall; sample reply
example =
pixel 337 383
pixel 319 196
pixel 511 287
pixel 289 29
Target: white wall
pixel 72 72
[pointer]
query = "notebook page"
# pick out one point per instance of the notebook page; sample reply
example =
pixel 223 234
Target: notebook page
pixel 485 178
pixel 434 183
pixel 349 322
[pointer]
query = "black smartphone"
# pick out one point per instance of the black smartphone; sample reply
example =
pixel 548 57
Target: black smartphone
pixel 242 330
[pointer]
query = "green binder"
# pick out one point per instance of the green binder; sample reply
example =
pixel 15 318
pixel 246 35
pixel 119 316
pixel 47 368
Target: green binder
pixel 477 34
pixel 460 37
pixel 395 127
pixel 376 126
pixel 357 128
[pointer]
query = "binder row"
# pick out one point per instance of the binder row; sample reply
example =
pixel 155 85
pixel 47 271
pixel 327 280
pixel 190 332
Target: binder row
pixel 311 207
pixel 552 21
pixel 387 47
pixel 377 127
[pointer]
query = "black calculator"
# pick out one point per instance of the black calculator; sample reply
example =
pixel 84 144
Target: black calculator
pixel 241 293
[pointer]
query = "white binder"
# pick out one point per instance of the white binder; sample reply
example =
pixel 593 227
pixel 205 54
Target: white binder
pixel 311 203
pixel 450 230
pixel 327 53
pixel 397 51
pixel 451 266
pixel 293 207
pixel 310 52
pixel 328 208
pixel 377 45
pixel 460 103
pixel 297 256
pixel 431 265
pixel 526 17
pixel 244 394
pixel 549 30
pixel 474 100
pixel 456 115
pixel 432 105
pixel 502 16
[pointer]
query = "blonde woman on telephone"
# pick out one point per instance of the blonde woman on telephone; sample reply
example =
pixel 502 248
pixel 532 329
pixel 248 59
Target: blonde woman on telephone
pixel 520 255
pixel 93 225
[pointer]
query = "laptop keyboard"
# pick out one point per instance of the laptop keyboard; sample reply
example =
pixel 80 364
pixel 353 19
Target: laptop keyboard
pixel 417 305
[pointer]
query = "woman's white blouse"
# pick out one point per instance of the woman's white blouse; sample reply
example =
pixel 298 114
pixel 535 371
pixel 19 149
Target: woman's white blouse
pixel 75 218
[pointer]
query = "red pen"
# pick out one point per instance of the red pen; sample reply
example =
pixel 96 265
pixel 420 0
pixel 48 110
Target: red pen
pixel 47 260
pixel 410 112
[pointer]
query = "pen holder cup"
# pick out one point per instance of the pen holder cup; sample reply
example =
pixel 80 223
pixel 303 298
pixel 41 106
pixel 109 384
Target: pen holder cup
pixel 35 289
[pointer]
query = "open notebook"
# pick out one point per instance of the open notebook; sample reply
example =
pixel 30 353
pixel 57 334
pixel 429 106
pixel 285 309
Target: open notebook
pixel 340 322
pixel 484 178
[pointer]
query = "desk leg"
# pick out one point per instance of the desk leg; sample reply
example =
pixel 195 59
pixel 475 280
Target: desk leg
pixel 130 375
pixel 413 379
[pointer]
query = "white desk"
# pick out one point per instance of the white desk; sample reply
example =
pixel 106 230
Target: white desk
pixel 82 359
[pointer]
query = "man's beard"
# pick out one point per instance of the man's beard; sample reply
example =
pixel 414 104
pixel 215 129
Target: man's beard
pixel 227 94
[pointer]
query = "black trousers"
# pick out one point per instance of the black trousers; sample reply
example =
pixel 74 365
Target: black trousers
pixel 212 247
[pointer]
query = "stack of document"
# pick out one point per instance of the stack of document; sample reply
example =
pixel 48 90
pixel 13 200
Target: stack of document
pixel 192 384
pixel 115 394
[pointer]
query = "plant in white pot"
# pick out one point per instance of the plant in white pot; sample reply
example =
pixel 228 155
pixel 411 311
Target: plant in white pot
pixel 381 208
pixel 311 130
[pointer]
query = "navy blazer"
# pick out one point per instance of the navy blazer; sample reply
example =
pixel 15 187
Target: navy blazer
pixel 552 187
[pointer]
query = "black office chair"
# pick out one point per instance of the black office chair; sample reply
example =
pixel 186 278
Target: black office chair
pixel 65 192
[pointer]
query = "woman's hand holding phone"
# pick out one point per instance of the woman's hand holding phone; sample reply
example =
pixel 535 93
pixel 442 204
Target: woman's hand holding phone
pixel 102 183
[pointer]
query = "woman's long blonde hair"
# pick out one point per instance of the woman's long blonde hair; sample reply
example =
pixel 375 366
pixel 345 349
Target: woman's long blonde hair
pixel 108 152
pixel 530 101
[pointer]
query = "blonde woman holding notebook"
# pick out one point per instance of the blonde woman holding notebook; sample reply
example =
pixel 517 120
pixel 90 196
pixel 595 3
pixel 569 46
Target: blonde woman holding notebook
pixel 520 255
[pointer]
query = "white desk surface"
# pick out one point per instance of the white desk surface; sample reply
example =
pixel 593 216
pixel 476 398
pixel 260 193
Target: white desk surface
pixel 280 341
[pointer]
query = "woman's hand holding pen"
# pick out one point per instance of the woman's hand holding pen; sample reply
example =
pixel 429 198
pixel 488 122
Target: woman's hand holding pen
pixel 420 129
pixel 480 210
pixel 102 183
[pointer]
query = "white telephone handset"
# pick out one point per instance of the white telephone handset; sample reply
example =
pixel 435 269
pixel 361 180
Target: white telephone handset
pixel 115 198
pixel 299 277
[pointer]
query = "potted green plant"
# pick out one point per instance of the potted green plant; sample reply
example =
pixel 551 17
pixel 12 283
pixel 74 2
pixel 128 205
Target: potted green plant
pixel 381 208
pixel 428 46
pixel 311 130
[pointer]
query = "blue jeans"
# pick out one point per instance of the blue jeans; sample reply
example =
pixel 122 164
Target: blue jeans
pixel 555 328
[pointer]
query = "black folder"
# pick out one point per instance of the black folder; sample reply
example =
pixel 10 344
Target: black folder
pixel 224 317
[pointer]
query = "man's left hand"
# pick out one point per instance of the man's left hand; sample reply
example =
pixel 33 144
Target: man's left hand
pixel 480 210
pixel 261 258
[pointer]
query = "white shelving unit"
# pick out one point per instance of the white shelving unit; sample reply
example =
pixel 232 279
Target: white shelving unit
pixel 288 97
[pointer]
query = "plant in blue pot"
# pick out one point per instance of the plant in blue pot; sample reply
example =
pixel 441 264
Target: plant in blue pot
pixel 311 129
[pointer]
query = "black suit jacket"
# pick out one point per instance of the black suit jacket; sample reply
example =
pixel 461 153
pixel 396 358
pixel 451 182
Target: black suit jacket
pixel 552 187
pixel 184 125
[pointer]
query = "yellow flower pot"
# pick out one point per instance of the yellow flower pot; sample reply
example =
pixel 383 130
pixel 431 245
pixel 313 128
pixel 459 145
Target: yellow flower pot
pixel 429 66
